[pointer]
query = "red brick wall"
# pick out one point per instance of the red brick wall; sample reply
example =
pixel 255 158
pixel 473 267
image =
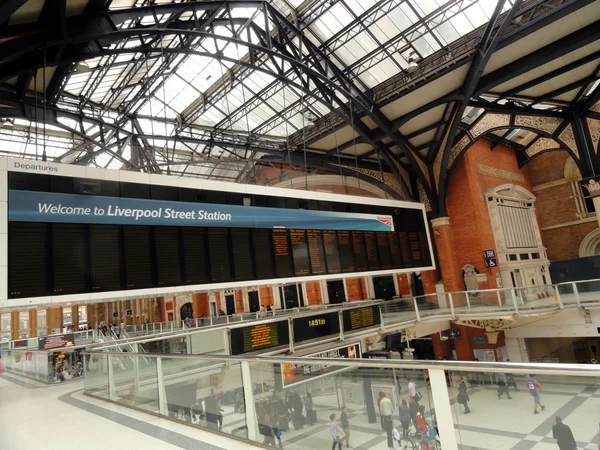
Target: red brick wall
pixel 403 285
pixel 266 296
pixel 465 345
pixel 313 293
pixel 356 289
pixel 201 305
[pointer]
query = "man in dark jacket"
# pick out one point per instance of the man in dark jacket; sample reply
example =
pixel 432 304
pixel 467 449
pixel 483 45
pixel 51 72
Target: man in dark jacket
pixel 563 435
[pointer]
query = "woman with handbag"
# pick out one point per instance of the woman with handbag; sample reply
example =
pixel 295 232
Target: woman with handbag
pixel 336 432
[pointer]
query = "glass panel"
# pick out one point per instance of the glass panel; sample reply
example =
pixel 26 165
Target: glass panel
pixel 96 375
pixel 67 317
pixel 588 290
pixel 82 314
pixel 23 324
pixel 42 328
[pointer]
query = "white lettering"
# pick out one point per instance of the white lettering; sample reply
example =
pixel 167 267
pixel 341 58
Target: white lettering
pixel 218 215
pixel 49 208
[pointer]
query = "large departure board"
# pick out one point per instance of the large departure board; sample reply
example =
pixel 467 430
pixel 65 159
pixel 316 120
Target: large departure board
pixel 372 253
pixel 168 261
pixel 218 253
pixel 316 252
pixel 359 250
pixel 242 254
pixel 300 252
pixel 313 327
pixel 259 337
pixel 383 247
pixel 395 252
pixel 195 261
pixel 346 251
pixel 263 256
pixel 138 262
pixel 332 254
pixel 358 318
pixel 106 263
pixel 405 249
pixel 282 249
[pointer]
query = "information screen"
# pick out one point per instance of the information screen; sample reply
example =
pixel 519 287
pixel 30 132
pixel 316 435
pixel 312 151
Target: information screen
pixel 242 254
pixel 317 252
pixel 259 337
pixel 283 261
pixel 195 259
pixel 415 247
pixel 138 262
pixel 168 261
pixel 346 251
pixel 383 247
pixel 405 249
pixel 300 252
pixel 395 252
pixel 263 257
pixel 355 319
pixel 332 254
pixel 313 327
pixel 218 253
pixel 360 251
pixel 372 254
pixel 425 255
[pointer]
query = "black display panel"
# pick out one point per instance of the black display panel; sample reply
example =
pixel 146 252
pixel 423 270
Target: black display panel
pixel 383 247
pixel 355 319
pixel 415 248
pixel 346 251
pixel 395 251
pixel 106 260
pixel 259 337
pixel 195 261
pixel 243 268
pixel 372 253
pixel 317 252
pixel 283 254
pixel 300 252
pixel 69 258
pixel 332 254
pixel 138 261
pixel 28 248
pixel 168 260
pixel 313 327
pixel 359 250
pixel 405 249
pixel 425 254
pixel 218 255
pixel 263 257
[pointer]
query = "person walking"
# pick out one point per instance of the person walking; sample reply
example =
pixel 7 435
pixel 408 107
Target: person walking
pixel 379 398
pixel 563 435
pixel 346 425
pixel 535 389
pixel 336 432
pixel 311 414
pixel 502 386
pixel 412 390
pixel 387 409
pixel 404 416
pixel 413 407
pixel 463 397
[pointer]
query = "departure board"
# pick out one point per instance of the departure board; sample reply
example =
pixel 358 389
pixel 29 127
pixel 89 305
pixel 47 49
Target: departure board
pixel 300 252
pixel 106 263
pixel 415 248
pixel 360 251
pixel 243 268
pixel 168 260
pixel 281 247
pixel 372 253
pixel 138 262
pixel 195 260
pixel 395 252
pixel 332 254
pixel 259 337
pixel 317 252
pixel 425 254
pixel 346 251
pixel 313 327
pixel 383 246
pixel 263 257
pixel 218 254
pixel 405 249
pixel 355 319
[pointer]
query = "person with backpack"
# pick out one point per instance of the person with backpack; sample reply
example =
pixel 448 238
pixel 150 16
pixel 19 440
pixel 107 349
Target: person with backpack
pixel 535 389
pixel 404 416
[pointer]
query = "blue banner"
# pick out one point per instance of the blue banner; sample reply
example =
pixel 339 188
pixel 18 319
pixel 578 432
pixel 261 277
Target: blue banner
pixel 30 206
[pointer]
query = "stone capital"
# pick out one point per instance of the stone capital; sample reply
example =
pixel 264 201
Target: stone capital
pixel 440 221
pixel 593 186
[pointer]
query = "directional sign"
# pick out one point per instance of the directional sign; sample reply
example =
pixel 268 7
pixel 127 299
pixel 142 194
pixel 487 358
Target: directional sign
pixel 454 334
pixel 487 254
pixel 491 262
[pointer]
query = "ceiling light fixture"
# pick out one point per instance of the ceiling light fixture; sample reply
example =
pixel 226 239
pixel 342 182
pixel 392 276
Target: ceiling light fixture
pixel 83 67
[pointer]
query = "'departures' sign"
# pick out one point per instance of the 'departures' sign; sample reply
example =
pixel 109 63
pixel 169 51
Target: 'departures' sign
pixel 29 206
pixel 56 341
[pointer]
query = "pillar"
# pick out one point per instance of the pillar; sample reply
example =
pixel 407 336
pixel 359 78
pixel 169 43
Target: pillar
pixel 594 189
pixel 449 268
pixel 15 324
pixel 33 322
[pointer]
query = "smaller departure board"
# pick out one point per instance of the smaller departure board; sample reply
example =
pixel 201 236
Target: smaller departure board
pixel 259 337
pixel 425 254
pixel 415 248
pixel 360 251
pixel 300 252
pixel 263 257
pixel 395 252
pixel 358 318
pixel 383 247
pixel 282 252
pixel 332 254
pixel 405 249
pixel 316 252
pixel 346 251
pixel 313 327
pixel 372 254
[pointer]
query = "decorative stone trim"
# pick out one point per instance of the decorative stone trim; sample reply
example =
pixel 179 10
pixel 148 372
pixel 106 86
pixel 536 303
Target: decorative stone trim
pixel 590 243
pixel 568 137
pixel 596 107
pixel 547 124
pixel 540 145
pixel 502 174
pixel 457 149
pixel 594 126
pixel 423 198
pixel 569 224
pixel 440 221
pixel 594 188
pixel 489 121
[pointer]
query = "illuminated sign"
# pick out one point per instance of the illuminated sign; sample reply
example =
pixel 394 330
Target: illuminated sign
pixel 259 337
pixel 56 341
pixel 313 327
pixel 355 319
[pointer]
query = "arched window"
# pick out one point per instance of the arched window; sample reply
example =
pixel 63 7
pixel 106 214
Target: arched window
pixel 590 246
